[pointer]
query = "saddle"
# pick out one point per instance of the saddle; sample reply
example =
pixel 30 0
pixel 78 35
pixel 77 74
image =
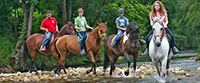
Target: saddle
pixel 121 37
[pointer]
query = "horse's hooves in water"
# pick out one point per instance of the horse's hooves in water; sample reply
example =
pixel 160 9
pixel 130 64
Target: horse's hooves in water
pixel 126 73
pixel 37 73
pixel 55 70
pixel 87 72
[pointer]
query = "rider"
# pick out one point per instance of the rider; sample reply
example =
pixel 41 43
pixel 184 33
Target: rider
pixel 158 11
pixel 121 24
pixel 49 26
pixel 80 24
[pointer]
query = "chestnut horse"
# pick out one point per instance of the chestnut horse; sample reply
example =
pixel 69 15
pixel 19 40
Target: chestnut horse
pixel 67 43
pixel 33 43
pixel 129 45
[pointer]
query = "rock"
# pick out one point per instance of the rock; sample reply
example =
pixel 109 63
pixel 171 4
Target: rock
pixel 186 70
pixel 182 72
pixel 96 79
pixel 179 78
pixel 198 69
pixel 188 75
pixel 142 76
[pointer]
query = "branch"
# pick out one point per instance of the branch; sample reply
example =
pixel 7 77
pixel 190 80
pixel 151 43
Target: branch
pixel 97 9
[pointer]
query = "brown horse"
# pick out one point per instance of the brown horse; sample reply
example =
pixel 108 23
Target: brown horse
pixel 129 45
pixel 67 43
pixel 33 43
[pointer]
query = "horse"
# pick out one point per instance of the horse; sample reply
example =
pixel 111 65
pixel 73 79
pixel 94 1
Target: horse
pixel 159 48
pixel 67 44
pixel 33 43
pixel 128 45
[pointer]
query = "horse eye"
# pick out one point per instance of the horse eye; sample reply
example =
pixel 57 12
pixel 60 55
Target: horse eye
pixel 101 31
pixel 161 28
pixel 153 29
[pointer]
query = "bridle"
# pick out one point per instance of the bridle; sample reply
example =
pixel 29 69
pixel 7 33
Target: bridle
pixel 69 31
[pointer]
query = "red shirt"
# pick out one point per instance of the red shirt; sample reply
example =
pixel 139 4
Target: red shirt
pixel 49 24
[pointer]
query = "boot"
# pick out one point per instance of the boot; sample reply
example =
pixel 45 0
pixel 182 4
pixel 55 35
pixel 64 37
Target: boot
pixel 42 48
pixel 113 44
pixel 175 50
pixel 146 52
pixel 82 52
pixel 142 42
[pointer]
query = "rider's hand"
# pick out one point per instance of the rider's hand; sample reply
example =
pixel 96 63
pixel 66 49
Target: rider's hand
pixel 83 29
pixel 47 30
pixel 165 25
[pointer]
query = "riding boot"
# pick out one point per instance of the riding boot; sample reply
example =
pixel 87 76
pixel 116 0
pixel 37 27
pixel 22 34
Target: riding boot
pixel 175 50
pixel 43 48
pixel 142 42
pixel 82 52
pixel 113 43
pixel 146 52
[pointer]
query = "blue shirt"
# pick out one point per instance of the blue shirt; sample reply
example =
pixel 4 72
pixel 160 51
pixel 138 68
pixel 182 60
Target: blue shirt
pixel 122 22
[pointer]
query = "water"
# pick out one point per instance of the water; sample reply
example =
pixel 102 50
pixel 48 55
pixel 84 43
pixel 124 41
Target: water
pixel 182 63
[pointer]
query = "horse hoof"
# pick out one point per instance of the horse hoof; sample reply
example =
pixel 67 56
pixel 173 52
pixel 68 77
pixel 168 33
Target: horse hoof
pixel 55 70
pixel 37 73
pixel 87 72
pixel 126 73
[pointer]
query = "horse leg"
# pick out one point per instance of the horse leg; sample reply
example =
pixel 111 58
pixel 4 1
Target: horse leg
pixel 164 62
pixel 57 58
pixel 167 67
pixel 129 62
pixel 90 54
pixel 95 64
pixel 34 54
pixel 134 63
pixel 62 60
pixel 158 69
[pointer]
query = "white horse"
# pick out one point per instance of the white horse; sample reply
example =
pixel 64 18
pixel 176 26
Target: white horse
pixel 159 48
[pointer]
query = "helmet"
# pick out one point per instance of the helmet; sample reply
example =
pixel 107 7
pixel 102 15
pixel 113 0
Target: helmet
pixel 121 10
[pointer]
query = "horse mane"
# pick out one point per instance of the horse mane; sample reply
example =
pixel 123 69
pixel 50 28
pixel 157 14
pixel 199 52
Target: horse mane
pixel 132 28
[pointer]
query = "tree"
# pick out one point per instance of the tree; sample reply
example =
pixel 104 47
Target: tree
pixel 25 31
pixel 64 13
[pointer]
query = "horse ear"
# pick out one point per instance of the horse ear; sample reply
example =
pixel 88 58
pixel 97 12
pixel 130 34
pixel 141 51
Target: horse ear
pixel 67 23
pixel 152 19
pixel 162 19
pixel 139 27
pixel 106 23
pixel 98 23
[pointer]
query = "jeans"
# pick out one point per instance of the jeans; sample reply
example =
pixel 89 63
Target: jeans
pixel 167 31
pixel 47 38
pixel 83 37
pixel 119 32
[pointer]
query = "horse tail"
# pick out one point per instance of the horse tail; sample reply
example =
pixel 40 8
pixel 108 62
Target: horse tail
pixel 25 50
pixel 106 61
pixel 57 49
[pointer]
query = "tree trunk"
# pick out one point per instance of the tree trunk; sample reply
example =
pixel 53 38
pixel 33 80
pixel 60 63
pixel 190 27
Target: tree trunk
pixel 30 20
pixel 64 13
pixel 81 4
pixel 87 4
pixel 19 46
pixel 89 17
pixel 16 21
pixel 69 10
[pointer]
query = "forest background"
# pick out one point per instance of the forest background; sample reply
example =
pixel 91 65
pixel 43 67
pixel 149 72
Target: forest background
pixel 20 18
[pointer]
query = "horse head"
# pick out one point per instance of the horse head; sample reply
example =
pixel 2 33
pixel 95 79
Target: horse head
pixel 158 30
pixel 68 29
pixel 102 30
pixel 134 33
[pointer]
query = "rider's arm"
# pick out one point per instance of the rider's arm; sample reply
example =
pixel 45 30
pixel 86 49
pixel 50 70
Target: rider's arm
pixel 44 29
pixel 56 27
pixel 76 27
pixel 120 27
pixel 87 26
pixel 166 21
pixel 151 22
pixel 127 23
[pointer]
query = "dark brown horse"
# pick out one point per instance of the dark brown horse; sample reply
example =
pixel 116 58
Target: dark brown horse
pixel 67 43
pixel 129 45
pixel 33 43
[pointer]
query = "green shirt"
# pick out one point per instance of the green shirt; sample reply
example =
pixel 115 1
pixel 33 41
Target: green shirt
pixel 80 22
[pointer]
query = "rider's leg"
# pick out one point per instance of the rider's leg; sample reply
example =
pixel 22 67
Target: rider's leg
pixel 146 52
pixel 119 32
pixel 82 36
pixel 174 48
pixel 47 38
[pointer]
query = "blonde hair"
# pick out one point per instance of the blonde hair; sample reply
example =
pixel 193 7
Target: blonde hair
pixel 162 9
pixel 80 10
